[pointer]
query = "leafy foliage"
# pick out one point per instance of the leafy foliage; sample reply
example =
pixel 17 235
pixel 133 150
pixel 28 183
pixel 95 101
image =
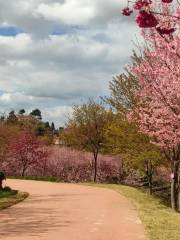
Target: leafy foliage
pixel 85 129
pixel 123 89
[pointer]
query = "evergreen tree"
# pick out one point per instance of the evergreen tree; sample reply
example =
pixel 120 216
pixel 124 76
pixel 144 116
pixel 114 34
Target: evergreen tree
pixel 21 111
pixel 36 113
pixel 53 127
pixel 12 119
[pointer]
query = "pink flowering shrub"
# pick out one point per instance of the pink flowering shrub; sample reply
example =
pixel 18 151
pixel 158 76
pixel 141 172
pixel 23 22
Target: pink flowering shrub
pixel 63 164
pixel 70 165
pixel 24 153
pixel 164 174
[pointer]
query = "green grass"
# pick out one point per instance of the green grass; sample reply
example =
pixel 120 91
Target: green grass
pixel 9 198
pixel 160 222
pixel 35 178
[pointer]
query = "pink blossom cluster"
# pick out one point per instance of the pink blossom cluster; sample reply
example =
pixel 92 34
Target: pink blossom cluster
pixel 154 14
pixel 71 165
pixel 142 4
pixel 66 165
pixel 159 78
pixel 23 153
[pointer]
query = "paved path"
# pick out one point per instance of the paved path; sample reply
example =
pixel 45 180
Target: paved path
pixel 69 212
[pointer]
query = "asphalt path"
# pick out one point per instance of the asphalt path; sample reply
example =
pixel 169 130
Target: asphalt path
pixel 57 211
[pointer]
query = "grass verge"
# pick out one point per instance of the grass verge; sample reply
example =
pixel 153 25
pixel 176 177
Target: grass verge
pixel 160 222
pixel 35 178
pixel 7 199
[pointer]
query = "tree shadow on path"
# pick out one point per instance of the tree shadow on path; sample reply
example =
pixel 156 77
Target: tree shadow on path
pixel 30 219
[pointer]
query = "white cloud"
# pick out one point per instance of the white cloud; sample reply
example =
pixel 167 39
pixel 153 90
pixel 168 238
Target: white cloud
pixel 5 97
pixel 17 44
pixel 58 115
pixel 51 72
pixel 70 12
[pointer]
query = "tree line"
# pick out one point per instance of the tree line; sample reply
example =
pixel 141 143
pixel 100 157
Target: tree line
pixel 141 118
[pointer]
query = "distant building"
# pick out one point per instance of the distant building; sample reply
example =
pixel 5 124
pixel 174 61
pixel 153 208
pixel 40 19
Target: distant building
pixel 58 141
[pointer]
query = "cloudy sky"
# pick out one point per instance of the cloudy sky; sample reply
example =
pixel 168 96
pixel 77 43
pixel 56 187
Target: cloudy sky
pixel 56 53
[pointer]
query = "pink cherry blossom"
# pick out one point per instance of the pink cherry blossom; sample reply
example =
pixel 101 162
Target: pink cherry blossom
pixel 141 4
pixel 154 14
pixel 167 1
pixel 127 11
pixel 159 79
pixel 146 20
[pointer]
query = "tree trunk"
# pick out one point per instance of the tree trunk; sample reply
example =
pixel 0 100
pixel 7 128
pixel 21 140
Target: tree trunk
pixel 44 168
pixel 23 172
pixel 149 174
pixel 95 166
pixel 150 184
pixel 175 187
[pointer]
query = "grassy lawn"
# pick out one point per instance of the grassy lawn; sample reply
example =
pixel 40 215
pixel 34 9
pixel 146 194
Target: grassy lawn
pixel 160 222
pixel 9 198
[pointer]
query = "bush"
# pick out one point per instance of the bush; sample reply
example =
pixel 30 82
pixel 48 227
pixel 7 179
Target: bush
pixel 7 189
pixel 2 176
pixel 68 165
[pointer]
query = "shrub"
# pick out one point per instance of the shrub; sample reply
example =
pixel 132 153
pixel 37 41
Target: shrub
pixel 68 165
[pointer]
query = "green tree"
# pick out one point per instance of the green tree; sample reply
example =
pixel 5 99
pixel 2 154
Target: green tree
pixel 86 129
pixel 123 89
pixel 124 138
pixel 53 127
pixel 36 113
pixel 12 118
pixel 21 111
pixel 61 129
pixel 47 125
pixel 40 130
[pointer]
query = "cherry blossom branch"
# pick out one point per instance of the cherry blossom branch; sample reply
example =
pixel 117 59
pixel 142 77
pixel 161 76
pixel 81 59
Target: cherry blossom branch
pixel 158 90
pixel 165 15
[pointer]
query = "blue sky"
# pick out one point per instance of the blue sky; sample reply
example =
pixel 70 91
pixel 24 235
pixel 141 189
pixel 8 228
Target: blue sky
pixel 55 53
pixel 9 31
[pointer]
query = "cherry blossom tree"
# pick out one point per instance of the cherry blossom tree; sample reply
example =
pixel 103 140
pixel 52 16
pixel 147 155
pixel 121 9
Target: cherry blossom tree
pixel 25 153
pixel 158 112
pixel 71 165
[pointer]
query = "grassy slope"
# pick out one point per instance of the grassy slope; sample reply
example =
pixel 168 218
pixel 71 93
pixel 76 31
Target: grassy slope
pixel 160 222
pixel 7 199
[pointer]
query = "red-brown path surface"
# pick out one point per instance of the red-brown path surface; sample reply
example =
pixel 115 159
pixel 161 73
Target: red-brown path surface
pixel 69 212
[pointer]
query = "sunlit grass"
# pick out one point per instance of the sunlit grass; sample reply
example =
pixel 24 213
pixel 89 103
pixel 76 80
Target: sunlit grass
pixel 7 199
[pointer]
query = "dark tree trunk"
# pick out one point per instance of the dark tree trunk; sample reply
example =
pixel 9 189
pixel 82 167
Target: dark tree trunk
pixel 23 172
pixel 150 185
pixel 149 174
pixel 95 166
pixel 44 168
pixel 175 187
